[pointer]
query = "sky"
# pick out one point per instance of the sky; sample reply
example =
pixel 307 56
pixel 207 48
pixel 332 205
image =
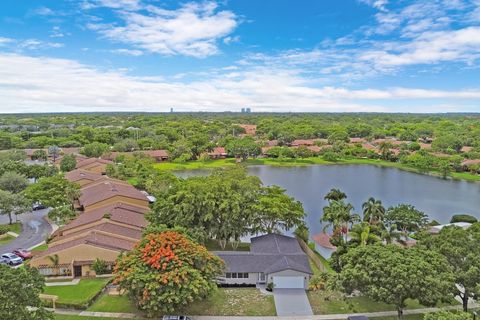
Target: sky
pixel 268 55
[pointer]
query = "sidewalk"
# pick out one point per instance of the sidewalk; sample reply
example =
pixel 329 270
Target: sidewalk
pixel 314 317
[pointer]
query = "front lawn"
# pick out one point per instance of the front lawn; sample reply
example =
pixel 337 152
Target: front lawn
pixel 333 303
pixel 78 295
pixel 70 317
pixel 40 247
pixel 7 239
pixel 108 303
pixel 233 302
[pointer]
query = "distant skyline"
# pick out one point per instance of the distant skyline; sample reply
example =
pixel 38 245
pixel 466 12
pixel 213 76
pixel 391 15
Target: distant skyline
pixel 267 55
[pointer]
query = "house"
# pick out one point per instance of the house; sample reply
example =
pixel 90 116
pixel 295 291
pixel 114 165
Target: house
pixel 471 164
pixel 102 233
pixel 302 142
pixel 218 153
pixel 94 165
pixel 272 258
pixel 109 191
pixel 250 129
pixel 157 155
pixel 437 229
pixel 466 149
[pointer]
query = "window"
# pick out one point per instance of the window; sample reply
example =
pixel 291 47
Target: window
pixel 245 275
pixel 240 275
pixel 228 275
pixel 234 275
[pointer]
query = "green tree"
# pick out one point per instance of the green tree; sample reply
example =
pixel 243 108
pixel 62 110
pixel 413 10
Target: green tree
pixel 62 214
pixel 461 248
pixel 361 234
pixel 68 163
pixel 338 215
pixel 275 211
pixel 95 149
pixel 407 218
pixel 13 182
pixel 19 290
pixel 55 191
pixel 242 148
pixel 373 211
pixel 40 155
pixel 54 152
pixel 392 274
pixel 335 194
pixel 13 204
pixel 167 270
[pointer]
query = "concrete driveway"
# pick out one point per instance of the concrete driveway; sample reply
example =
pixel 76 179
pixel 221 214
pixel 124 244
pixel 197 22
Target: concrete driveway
pixel 35 230
pixel 292 302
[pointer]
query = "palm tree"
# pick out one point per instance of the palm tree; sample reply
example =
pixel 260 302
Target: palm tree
pixel 373 211
pixel 335 195
pixel 391 233
pixel 361 234
pixel 55 260
pixel 339 216
pixel 384 148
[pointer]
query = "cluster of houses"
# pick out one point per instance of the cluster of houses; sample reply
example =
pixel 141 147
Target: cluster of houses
pixel 110 221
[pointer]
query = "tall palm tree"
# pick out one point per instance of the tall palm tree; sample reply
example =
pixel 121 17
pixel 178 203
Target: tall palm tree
pixel 361 234
pixel 384 148
pixel 335 195
pixel 339 216
pixel 373 211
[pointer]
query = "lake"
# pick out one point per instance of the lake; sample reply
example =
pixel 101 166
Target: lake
pixel 439 198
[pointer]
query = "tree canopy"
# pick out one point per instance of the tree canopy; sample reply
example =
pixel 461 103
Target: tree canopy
pixel 167 271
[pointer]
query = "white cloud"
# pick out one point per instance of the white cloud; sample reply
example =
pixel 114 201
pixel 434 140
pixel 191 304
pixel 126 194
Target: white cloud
pixel 377 4
pixel 128 52
pixel 66 85
pixel 114 4
pixel 192 30
pixel 4 41
pixel 43 11
pixel 230 40
pixel 35 44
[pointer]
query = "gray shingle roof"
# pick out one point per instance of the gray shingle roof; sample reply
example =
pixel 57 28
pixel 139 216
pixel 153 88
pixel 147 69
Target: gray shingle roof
pixel 268 254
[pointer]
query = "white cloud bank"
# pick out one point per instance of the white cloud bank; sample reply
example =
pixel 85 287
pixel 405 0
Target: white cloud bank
pixel 35 84
pixel 192 30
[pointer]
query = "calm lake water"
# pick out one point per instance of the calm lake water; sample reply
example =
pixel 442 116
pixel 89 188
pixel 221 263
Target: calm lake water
pixel 439 198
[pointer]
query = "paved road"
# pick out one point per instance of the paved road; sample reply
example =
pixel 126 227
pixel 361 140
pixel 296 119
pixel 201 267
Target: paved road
pixel 292 302
pixel 35 230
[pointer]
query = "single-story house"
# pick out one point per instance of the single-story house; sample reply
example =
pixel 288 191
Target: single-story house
pixel 250 129
pixel 108 192
pixel 272 258
pixel 437 229
pixel 218 153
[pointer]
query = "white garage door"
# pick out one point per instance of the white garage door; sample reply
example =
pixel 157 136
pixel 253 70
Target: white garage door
pixel 288 282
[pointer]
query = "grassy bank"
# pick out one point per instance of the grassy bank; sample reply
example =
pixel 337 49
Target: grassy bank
pixel 79 295
pixel 290 162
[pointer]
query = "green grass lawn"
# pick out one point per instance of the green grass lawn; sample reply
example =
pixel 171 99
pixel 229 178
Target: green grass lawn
pixel 332 303
pixel 233 302
pixel 7 239
pixel 108 303
pixel 79 294
pixel 40 247
pixel 69 317
pixel 213 245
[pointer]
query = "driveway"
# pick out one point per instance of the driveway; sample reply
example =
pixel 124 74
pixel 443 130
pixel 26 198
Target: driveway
pixel 292 302
pixel 35 230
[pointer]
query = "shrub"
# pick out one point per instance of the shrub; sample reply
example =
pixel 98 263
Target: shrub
pixel 101 267
pixel 463 218
pixel 318 282
pixel 3 229
pixel 270 286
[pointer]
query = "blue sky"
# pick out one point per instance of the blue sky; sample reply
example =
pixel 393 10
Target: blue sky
pixel 270 55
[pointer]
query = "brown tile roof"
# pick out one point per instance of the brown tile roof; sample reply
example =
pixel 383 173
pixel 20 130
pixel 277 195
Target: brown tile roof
pixel 102 180
pixel 156 153
pixel 95 239
pixel 425 145
pixel 75 151
pixel 89 162
pixel 108 189
pixel 119 212
pixel 357 140
pixel 466 149
pixel 471 162
pixel 218 151
pixel 303 142
pixel 106 227
pixel 272 143
pixel 80 174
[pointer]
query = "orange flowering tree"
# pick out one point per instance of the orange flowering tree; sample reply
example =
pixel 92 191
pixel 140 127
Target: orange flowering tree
pixel 167 270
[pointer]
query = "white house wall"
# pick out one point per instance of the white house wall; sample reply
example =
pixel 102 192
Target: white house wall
pixel 252 279
pixel 290 273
